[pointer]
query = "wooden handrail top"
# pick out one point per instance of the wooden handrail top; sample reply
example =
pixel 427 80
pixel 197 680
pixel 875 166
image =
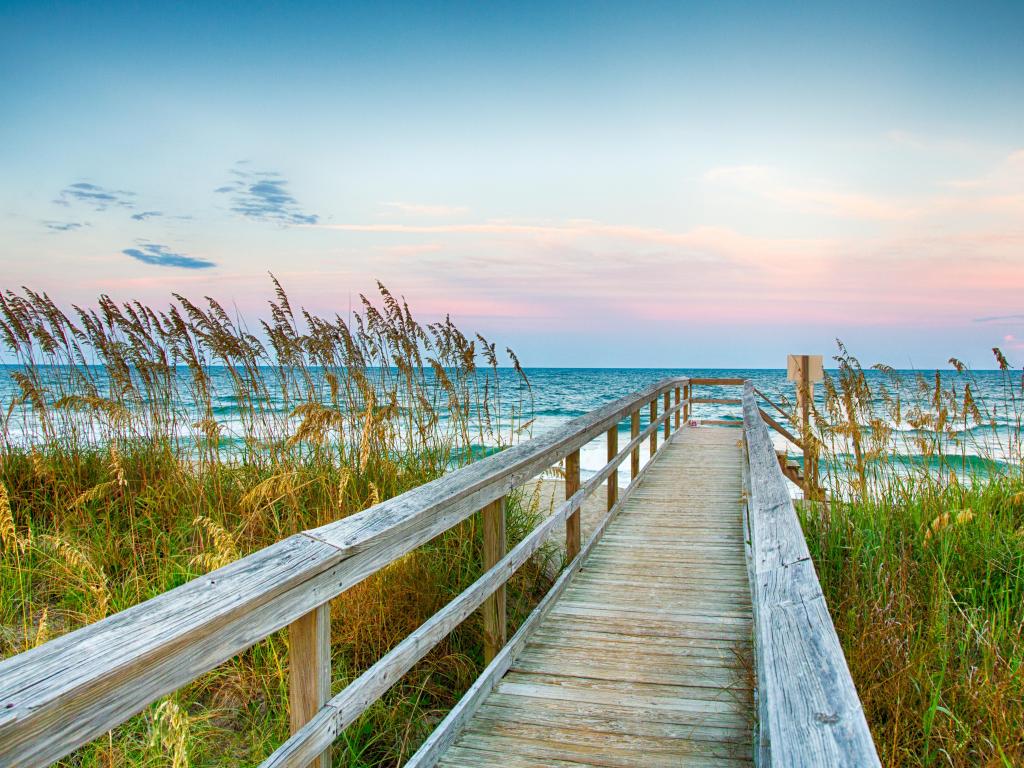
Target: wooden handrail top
pixel 822 723
pixel 780 429
pixel 773 404
pixel 76 687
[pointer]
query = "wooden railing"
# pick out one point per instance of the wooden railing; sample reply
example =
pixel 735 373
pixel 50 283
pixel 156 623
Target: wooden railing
pixel 71 690
pixel 808 710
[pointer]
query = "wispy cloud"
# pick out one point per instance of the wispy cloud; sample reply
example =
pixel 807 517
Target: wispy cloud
pixel 162 256
pixel 143 215
pixel 771 184
pixel 999 318
pixel 94 196
pixel 263 196
pixel 424 209
pixel 65 226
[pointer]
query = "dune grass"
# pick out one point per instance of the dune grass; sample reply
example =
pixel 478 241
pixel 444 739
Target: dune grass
pixel 142 449
pixel 922 563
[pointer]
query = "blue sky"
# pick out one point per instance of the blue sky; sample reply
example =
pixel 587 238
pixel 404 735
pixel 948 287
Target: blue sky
pixel 593 184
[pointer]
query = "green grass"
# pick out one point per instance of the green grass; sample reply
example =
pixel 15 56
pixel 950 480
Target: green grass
pixel 931 618
pixel 128 485
pixel 922 566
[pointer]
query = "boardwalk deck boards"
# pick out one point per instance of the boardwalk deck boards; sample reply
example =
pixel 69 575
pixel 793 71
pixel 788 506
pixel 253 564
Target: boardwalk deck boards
pixel 646 658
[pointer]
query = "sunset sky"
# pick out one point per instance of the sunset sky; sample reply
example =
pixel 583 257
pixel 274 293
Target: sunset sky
pixel 621 184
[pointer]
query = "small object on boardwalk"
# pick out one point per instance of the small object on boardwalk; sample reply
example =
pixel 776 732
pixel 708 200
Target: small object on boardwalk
pixel 645 659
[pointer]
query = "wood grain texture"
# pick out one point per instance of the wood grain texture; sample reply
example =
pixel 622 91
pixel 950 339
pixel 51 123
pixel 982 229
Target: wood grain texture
pixel 572 524
pixel 494 613
pixel 634 460
pixel 612 491
pixel 809 711
pixel 644 658
pixel 309 665
pixel 653 408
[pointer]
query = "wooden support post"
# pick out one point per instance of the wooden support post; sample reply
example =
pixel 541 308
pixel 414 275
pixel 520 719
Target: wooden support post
pixel 634 459
pixel 677 409
pixel 804 391
pixel 668 420
pixel 613 478
pixel 654 432
pixel 572 523
pixel 495 616
pixel 309 663
pixel 686 408
pixel 804 371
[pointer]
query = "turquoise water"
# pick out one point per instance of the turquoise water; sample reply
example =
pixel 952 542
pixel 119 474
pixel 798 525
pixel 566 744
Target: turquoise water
pixel 563 394
pixel 560 394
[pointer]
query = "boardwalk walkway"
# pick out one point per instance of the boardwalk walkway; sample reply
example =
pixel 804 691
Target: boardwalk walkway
pixel 646 658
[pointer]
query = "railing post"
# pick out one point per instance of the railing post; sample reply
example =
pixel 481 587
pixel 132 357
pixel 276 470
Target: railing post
pixel 668 421
pixel 613 478
pixel 309 663
pixel 495 616
pixel 634 459
pixel 654 430
pixel 677 409
pixel 572 523
pixel 686 408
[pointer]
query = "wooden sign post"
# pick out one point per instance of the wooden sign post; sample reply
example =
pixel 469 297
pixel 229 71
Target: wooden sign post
pixel 806 371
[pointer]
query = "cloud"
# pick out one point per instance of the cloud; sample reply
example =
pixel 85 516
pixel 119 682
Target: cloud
pixel 94 196
pixel 143 215
pixel 262 195
pixel 771 184
pixel 998 318
pixel 161 256
pixel 65 226
pixel 424 209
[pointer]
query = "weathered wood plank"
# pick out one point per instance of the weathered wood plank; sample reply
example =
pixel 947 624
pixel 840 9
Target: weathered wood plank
pixel 494 611
pixel 309 663
pixel 612 494
pixel 572 485
pixel 809 712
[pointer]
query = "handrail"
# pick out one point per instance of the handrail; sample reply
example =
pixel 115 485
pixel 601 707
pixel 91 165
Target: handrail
pixel 772 403
pixel 780 429
pixel 72 689
pixel 338 713
pixel 795 641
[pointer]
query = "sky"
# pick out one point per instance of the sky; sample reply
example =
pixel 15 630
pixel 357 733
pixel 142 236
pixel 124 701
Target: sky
pixel 594 184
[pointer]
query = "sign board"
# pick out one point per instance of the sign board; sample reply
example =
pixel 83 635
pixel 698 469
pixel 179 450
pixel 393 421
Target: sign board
pixel 815 369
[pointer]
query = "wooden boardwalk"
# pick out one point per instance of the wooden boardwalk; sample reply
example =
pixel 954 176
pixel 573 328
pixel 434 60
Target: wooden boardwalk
pixel 646 658
pixel 644 652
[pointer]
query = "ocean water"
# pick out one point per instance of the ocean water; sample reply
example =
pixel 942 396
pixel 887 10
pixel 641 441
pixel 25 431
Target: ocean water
pixel 558 395
pixel 561 394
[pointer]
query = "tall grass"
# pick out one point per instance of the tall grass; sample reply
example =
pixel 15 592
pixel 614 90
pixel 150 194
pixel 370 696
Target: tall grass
pixel 920 552
pixel 141 448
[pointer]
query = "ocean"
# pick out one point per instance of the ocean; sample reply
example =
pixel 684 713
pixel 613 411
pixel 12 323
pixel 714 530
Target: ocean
pixel 557 395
